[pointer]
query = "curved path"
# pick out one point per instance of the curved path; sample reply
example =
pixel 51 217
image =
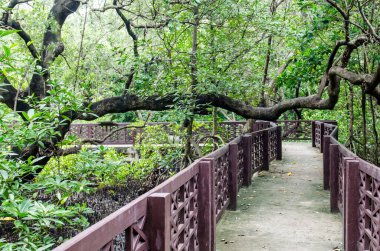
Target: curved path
pixel 285 209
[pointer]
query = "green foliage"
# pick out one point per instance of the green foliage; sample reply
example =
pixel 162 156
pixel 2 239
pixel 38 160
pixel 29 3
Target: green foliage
pixel 159 150
pixel 99 166
pixel 32 218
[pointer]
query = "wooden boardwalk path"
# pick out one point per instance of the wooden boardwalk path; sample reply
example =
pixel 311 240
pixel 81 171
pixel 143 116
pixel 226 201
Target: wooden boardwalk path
pixel 285 209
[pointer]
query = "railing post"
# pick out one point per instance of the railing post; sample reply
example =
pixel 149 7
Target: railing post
pixel 206 220
pixel 279 143
pixel 158 222
pixel 313 134
pixel 321 136
pixel 351 205
pixel 265 150
pixel 326 162
pixel 233 175
pixel 334 186
pixel 247 162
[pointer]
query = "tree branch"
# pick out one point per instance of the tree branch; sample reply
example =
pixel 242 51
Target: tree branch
pixel 127 24
pixel 25 36
pixel 338 8
pixel 52 46
pixel 8 95
pixel 370 27
pixel 370 83
pixel 11 5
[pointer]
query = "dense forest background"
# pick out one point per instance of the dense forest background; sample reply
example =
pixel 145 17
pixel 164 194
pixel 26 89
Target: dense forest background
pixel 66 61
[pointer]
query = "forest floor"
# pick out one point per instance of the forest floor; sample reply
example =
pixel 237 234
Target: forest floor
pixel 285 209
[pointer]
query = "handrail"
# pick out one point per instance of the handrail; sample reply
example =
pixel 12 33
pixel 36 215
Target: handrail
pixel 354 189
pixel 182 212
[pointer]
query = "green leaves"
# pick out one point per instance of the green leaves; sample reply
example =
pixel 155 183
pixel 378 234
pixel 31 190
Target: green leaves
pixel 4 33
pixel 7 51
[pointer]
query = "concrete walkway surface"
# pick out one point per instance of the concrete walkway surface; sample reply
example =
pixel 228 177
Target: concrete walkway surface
pixel 285 209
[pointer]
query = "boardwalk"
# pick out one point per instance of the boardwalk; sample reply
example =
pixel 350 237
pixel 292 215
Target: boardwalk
pixel 285 209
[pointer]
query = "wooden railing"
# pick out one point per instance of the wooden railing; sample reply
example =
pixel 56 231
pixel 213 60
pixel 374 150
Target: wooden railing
pixel 354 189
pixel 292 130
pixel 296 129
pixel 182 212
pixel 126 136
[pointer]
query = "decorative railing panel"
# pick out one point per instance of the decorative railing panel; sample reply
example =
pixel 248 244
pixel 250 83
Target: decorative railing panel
pixel 240 163
pixel 340 181
pixel 369 207
pixel 221 180
pixel 125 136
pixel 184 216
pixel 257 151
pixel 296 129
pixel 272 143
pixel 231 130
pixel 318 134
pixel 134 236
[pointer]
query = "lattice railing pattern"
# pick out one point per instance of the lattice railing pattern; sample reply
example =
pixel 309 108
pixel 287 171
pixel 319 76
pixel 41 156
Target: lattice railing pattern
pixel 272 144
pixel 99 131
pixel 184 217
pixel 135 238
pixel 221 181
pixel 369 213
pixel 340 181
pixel 231 130
pixel 257 151
pixel 240 164
pixel 83 131
pixel 296 129
pixel 318 134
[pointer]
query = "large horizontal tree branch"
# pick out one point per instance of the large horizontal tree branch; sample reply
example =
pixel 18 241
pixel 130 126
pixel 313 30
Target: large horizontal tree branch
pixel 353 78
pixel 132 102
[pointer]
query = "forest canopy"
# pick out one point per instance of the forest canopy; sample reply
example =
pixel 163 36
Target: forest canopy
pixel 66 60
